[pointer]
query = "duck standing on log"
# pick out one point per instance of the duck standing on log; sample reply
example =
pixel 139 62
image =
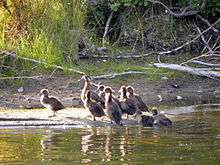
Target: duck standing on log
pixel 128 106
pixel 113 110
pixel 50 102
pixel 137 99
pixel 93 95
pixel 160 119
pixel 91 105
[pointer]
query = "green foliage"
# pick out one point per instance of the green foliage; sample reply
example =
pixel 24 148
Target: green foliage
pixel 115 5
pixel 46 30
pixel 213 8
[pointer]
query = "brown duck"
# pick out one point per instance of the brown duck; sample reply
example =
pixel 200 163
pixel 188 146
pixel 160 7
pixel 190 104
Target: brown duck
pixel 144 120
pixel 128 106
pixel 113 110
pixel 49 102
pixel 137 99
pixel 160 119
pixel 101 92
pixel 91 105
pixel 93 95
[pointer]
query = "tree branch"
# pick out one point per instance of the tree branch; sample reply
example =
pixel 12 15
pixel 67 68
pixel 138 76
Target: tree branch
pixel 41 62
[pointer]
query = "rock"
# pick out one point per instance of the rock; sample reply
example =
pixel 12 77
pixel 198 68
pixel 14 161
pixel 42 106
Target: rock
pixel 179 97
pixel 20 90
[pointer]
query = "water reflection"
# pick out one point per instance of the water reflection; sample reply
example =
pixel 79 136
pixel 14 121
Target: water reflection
pixel 194 139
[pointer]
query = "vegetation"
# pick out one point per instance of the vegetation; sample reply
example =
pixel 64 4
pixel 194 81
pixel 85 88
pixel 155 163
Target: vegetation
pixel 62 32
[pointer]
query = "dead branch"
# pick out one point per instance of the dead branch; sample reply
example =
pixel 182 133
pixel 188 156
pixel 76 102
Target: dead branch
pixel 119 56
pixel 184 13
pixel 189 42
pixel 203 39
pixel 41 62
pixel 207 23
pixel 205 63
pixel 113 75
pixel 21 77
pixel 190 70
pixel 106 29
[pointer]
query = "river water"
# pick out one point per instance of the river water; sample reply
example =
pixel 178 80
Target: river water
pixel 193 139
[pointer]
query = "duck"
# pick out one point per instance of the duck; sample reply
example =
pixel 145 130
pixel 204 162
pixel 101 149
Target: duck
pixel 100 89
pixel 50 102
pixel 128 106
pixel 94 96
pixel 113 110
pixel 160 119
pixel 95 109
pixel 144 120
pixel 137 99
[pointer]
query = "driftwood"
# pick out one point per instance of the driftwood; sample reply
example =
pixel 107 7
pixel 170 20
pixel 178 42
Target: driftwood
pixel 205 63
pixel 190 70
pixel 113 75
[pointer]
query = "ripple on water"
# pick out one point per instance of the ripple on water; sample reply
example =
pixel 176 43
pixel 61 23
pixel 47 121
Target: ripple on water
pixel 193 139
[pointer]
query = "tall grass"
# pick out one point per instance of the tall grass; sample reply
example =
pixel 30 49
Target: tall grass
pixel 49 30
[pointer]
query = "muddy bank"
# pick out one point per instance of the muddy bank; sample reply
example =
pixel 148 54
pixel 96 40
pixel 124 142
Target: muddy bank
pixel 172 92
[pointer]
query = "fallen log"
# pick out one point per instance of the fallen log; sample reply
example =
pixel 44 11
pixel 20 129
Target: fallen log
pixel 113 75
pixel 190 70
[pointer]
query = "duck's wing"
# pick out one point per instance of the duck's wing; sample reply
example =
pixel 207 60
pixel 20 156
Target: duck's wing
pixel 96 97
pixel 56 104
pixel 115 113
pixel 96 109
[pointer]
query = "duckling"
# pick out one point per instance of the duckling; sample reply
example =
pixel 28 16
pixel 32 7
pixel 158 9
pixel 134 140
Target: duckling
pixel 137 99
pixel 128 106
pixel 112 108
pixel 160 119
pixel 94 96
pixel 101 92
pixel 49 102
pixel 144 120
pixel 91 105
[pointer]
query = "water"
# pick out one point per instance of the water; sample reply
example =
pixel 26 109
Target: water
pixel 194 139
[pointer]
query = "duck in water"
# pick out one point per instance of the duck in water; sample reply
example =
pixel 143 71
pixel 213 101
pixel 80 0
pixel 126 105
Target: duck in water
pixel 137 99
pixel 50 102
pixel 93 95
pixel 144 120
pixel 91 105
pixel 160 119
pixel 127 105
pixel 113 110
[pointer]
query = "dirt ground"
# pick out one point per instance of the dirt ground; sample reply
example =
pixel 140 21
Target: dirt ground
pixel 171 92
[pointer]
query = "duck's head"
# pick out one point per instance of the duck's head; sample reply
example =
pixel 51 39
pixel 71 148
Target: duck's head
pixel 154 111
pixel 122 89
pixel 44 92
pixel 84 78
pixel 101 88
pixel 108 90
pixel 130 89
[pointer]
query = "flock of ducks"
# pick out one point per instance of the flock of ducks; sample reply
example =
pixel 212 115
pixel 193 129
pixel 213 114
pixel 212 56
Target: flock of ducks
pixel 103 102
